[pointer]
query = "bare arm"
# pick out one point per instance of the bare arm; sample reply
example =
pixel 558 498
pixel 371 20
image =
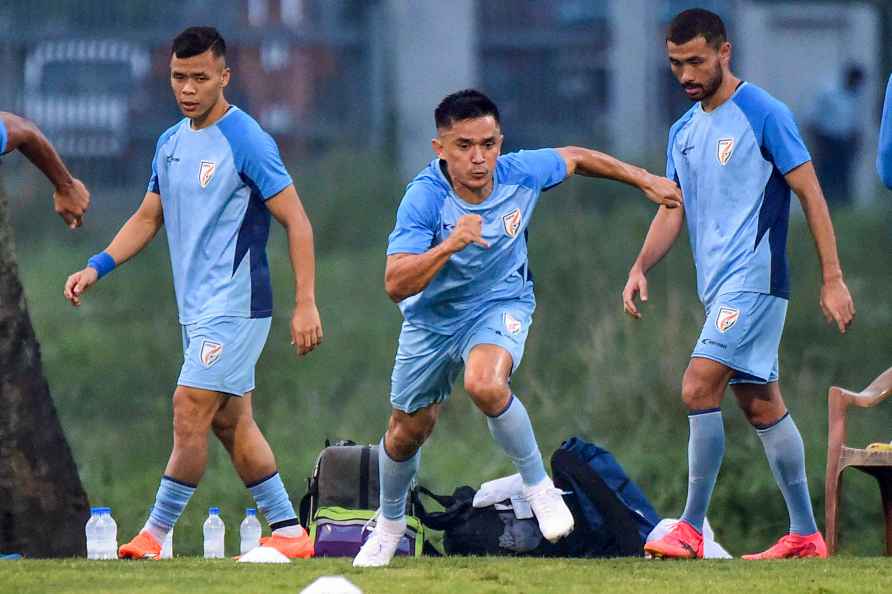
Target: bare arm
pixel 134 236
pixel 835 300
pixel 591 163
pixel 408 274
pixel 71 198
pixel 306 325
pixel 661 235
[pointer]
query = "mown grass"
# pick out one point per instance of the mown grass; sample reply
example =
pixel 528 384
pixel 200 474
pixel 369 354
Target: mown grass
pixel 455 575
pixel 587 371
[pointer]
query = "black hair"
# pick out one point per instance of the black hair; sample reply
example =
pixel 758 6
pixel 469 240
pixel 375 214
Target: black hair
pixel 197 40
pixel 696 22
pixel 464 105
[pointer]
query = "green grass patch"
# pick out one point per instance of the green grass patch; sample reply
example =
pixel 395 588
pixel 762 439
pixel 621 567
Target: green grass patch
pixel 455 575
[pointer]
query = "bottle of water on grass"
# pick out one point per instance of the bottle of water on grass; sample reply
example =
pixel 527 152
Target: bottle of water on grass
pixel 92 533
pixel 214 534
pixel 249 531
pixel 107 530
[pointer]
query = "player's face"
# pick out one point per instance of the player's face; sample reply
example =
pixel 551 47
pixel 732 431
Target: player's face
pixel 470 149
pixel 198 83
pixel 698 66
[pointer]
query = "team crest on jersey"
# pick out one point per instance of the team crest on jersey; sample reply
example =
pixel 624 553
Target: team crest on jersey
pixel 512 324
pixel 512 222
pixel 727 317
pixel 210 352
pixel 725 148
pixel 206 172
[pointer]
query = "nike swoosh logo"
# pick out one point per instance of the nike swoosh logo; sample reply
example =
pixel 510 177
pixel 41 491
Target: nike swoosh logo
pixel 686 150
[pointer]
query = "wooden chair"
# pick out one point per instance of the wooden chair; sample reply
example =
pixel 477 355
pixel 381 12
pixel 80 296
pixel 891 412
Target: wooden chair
pixel 877 463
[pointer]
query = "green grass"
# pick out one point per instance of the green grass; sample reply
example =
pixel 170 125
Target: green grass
pixel 456 575
pixel 588 370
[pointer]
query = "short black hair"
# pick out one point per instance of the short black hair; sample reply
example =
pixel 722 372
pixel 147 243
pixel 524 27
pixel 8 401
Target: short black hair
pixel 695 22
pixel 464 105
pixel 197 40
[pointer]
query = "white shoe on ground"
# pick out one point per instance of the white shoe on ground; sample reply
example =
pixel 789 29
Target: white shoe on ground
pixel 381 546
pixel 553 515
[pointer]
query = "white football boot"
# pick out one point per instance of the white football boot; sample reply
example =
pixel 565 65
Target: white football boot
pixel 381 546
pixel 553 515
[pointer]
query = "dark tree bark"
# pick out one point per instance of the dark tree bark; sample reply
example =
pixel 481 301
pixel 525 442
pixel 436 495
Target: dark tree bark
pixel 43 507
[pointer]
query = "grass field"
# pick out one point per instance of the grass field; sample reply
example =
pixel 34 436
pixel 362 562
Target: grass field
pixel 456 575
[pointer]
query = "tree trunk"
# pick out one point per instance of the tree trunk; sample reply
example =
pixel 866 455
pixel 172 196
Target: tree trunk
pixel 43 507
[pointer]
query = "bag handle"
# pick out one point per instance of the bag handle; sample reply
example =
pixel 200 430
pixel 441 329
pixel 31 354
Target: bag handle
pixel 364 459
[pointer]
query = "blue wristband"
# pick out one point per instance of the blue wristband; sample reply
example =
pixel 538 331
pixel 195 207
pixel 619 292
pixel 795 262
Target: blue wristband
pixel 102 262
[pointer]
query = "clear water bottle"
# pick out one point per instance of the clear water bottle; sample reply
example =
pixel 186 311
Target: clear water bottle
pixel 167 546
pixel 107 530
pixel 214 534
pixel 92 534
pixel 250 531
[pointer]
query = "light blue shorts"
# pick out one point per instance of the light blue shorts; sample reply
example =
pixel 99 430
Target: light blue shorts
pixel 743 331
pixel 427 363
pixel 220 353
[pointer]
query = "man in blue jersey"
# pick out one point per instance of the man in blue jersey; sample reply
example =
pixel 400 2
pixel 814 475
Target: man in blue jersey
pixel 70 198
pixel 457 265
pixel 884 150
pixel 736 155
pixel 216 178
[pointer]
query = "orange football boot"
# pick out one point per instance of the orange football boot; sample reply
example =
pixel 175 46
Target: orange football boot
pixel 143 546
pixel 293 547
pixel 794 546
pixel 682 542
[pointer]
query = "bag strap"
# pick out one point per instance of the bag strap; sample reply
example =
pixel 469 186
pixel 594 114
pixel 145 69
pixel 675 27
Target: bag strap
pixel 364 457
pixel 450 516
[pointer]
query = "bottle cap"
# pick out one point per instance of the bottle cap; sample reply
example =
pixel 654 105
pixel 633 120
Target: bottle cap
pixel 250 511
pixel 214 511
pixel 94 510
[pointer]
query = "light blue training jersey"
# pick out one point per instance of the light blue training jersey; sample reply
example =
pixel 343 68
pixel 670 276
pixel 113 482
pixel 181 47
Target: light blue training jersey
pixel 730 164
pixel 213 184
pixel 884 150
pixel 475 276
pixel 3 137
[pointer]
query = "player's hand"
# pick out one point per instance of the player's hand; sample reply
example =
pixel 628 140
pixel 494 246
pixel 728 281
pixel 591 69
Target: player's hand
pixel 662 191
pixel 637 284
pixel 837 304
pixel 79 282
pixel 306 328
pixel 468 230
pixel 71 203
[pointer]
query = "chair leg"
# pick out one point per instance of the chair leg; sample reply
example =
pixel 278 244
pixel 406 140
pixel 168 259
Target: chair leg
pixel 832 497
pixel 885 480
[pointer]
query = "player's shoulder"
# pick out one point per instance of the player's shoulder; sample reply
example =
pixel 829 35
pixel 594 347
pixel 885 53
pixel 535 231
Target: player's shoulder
pixel 519 167
pixel 757 104
pixel 240 128
pixel 170 132
pixel 684 120
pixel 430 184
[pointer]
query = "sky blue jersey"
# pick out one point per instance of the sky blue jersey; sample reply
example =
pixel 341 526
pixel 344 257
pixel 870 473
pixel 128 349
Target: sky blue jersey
pixel 3 137
pixel 730 164
pixel 884 151
pixel 213 184
pixel 475 276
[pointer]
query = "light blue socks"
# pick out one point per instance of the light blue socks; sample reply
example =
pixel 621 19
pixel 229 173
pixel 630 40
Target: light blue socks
pixel 170 501
pixel 395 478
pixel 273 502
pixel 786 456
pixel 513 431
pixel 706 448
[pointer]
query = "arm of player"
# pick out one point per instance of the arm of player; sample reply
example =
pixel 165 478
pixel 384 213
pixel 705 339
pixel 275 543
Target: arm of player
pixel 136 234
pixel 657 189
pixel 884 149
pixel 836 302
pixel 71 198
pixel 306 325
pixel 408 274
pixel 663 232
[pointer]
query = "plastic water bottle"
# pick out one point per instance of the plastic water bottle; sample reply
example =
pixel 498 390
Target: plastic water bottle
pixel 167 546
pixel 250 531
pixel 107 530
pixel 92 534
pixel 214 534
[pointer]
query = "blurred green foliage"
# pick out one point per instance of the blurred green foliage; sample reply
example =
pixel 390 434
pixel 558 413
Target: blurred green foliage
pixel 588 370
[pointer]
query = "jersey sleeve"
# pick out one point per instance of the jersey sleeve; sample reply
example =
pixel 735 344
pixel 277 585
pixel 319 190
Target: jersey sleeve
pixel 546 166
pixel 262 164
pixel 782 141
pixel 153 179
pixel 3 137
pixel 416 222
pixel 884 150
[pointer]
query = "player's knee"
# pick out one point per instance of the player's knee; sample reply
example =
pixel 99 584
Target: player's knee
pixel 405 437
pixel 189 421
pixel 490 394
pixel 224 429
pixel 698 395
